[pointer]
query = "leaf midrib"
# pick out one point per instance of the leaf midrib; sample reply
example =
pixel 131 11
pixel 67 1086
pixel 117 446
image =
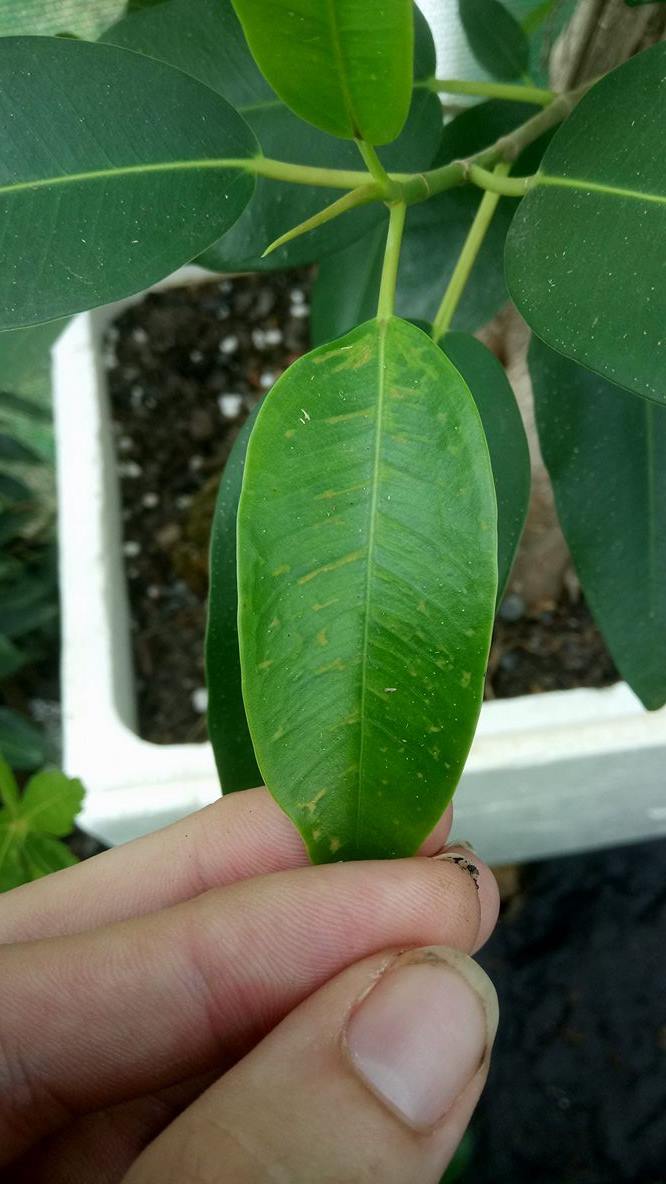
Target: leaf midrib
pixel 123 171
pixel 553 179
pixel 372 523
pixel 340 59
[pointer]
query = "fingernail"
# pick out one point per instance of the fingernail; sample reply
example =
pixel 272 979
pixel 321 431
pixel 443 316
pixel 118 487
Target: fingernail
pixel 462 862
pixel 422 1032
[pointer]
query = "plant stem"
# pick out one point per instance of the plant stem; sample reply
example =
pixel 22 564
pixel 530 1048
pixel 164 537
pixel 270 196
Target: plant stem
pixel 391 259
pixel 513 92
pixel 498 182
pixel 415 187
pixel 420 186
pixel 467 257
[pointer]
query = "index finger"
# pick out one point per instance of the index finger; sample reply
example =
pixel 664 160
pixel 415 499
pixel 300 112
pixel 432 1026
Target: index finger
pixel 244 834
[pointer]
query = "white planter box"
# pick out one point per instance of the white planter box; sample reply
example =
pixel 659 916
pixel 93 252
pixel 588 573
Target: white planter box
pixel 548 774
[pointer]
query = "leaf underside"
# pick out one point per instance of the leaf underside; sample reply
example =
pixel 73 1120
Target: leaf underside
pixel 585 262
pixel 606 455
pixel 367 582
pixel 505 435
pixel 227 723
pixel 344 65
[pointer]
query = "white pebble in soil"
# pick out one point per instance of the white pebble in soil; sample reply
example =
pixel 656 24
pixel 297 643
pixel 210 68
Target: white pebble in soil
pixel 230 405
pixel 267 379
pixel 228 345
pixel 199 700
pixel 150 500
pixel 131 549
pixel 273 336
pixel 129 468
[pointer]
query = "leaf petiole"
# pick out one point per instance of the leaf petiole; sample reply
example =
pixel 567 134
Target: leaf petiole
pixel 511 92
pixel 389 278
pixel 467 257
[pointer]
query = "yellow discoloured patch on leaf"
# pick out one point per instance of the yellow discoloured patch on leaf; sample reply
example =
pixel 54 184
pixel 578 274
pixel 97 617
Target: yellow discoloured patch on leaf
pixel 352 557
pixel 266 664
pixel 362 413
pixel 337 664
pixel 317 607
pixel 311 806
pixel 322 637
pixel 335 845
pixel 282 570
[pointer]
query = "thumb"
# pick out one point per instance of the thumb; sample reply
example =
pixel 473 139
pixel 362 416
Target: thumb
pixel 374 1077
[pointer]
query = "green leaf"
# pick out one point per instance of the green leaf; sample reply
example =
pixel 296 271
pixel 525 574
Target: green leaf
pixel 204 38
pixel 13 524
pixel 43 855
pixel 21 742
pixel 126 199
pixel 606 456
pixel 583 262
pixel 347 286
pixel 367 578
pixel 13 870
pixel 227 724
pixel 13 450
pixel 343 65
pixel 22 353
pixel 29 604
pixel 497 41
pixel 51 802
pixel 11 658
pixel 15 403
pixel 11 489
pixel 9 793
pixel 507 442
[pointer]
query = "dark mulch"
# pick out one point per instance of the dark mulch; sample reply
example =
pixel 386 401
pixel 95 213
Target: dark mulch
pixel 577 1090
pixel 185 367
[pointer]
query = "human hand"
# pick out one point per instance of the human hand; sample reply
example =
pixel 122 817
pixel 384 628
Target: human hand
pixel 205 995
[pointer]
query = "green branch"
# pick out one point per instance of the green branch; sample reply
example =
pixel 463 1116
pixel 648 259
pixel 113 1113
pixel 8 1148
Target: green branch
pixel 512 92
pixel 415 187
pixel 467 257
pixel 389 279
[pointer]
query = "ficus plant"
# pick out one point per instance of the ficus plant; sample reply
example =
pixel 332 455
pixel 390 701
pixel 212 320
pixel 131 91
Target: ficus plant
pixel 370 511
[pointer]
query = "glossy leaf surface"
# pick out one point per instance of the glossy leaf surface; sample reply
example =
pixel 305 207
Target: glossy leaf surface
pixel 126 200
pixel 344 65
pixel 227 724
pixel 584 257
pixel 347 286
pixel 367 581
pixel 606 455
pixel 505 435
pixel 497 41
pixel 204 38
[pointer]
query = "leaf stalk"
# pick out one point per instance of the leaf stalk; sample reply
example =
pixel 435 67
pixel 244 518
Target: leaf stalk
pixel 468 255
